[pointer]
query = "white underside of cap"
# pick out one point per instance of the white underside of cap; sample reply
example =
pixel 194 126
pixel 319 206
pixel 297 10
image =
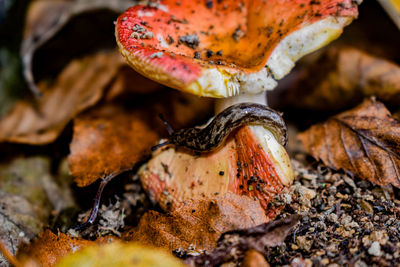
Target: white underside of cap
pixel 215 82
pixel 303 42
pixel 220 82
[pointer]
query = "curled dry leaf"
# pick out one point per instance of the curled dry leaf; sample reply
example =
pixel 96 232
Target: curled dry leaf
pixel 114 137
pixel 251 163
pixel 233 245
pixel 49 248
pixel 364 141
pixel 343 76
pixel 128 255
pixel 80 85
pixel 199 222
pixel 27 193
pixel 45 19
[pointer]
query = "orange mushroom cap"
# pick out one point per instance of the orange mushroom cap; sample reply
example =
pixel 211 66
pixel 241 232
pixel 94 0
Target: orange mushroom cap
pixel 223 48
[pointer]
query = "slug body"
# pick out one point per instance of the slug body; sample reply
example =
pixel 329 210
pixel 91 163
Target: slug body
pixel 214 134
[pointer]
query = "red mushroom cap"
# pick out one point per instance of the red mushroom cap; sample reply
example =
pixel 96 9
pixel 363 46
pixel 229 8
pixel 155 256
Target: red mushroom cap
pixel 222 48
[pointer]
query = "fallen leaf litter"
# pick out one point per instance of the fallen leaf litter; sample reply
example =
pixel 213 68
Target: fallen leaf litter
pixel 344 221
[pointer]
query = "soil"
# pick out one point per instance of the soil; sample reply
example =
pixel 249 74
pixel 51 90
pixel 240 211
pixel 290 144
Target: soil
pixel 345 221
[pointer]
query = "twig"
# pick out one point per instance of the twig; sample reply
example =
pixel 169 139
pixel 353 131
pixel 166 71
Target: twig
pixel 93 213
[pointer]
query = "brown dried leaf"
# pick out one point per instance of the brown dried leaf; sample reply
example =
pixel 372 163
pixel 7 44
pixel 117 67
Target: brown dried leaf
pixel 364 141
pixel 45 20
pixel 49 248
pixel 114 137
pixel 199 222
pixel 344 76
pixel 127 81
pixel 80 85
pixel 253 258
pixel 233 245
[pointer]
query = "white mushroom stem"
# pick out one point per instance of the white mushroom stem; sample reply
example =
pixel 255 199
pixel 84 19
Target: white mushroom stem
pixel 223 103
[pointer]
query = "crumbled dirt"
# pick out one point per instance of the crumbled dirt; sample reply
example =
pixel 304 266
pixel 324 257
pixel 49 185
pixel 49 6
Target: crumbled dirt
pixel 345 221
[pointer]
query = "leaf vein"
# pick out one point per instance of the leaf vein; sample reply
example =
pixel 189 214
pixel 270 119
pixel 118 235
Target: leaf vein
pixel 367 138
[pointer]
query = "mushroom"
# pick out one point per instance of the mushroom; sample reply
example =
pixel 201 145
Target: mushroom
pixel 223 48
pixel 233 51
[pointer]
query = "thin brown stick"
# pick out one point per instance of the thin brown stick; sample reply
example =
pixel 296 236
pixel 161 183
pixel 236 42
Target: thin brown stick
pixel 93 213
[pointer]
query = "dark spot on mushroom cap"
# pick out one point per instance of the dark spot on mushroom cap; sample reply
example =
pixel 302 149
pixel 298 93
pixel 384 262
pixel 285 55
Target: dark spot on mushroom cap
pixel 209 53
pixel 197 55
pixel 209 3
pixel 170 40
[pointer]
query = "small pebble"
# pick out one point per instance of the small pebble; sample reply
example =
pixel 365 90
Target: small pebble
pixel 375 249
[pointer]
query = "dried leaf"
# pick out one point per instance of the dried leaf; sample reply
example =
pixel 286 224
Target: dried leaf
pixel 199 222
pixel 253 258
pixel 49 248
pixel 127 81
pixel 45 20
pixel 364 141
pixel 233 245
pixel 26 200
pixel 128 255
pixel 344 76
pixel 114 137
pixel 80 85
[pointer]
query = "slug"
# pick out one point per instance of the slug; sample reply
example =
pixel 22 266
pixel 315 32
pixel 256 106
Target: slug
pixel 214 134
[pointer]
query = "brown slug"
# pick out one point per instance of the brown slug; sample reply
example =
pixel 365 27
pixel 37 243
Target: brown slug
pixel 212 136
